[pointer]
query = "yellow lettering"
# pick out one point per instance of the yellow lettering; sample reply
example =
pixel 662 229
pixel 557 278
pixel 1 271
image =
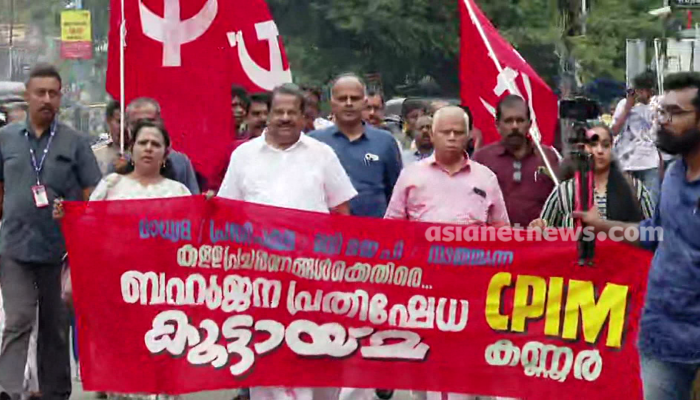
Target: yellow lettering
pixel 581 301
pixel 553 318
pixel 495 319
pixel 525 307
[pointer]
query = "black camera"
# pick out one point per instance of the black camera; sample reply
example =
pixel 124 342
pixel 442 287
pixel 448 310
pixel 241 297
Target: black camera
pixel 579 109
pixel 579 134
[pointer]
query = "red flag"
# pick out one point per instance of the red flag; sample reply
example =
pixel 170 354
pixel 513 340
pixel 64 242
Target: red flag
pixel 488 75
pixel 186 54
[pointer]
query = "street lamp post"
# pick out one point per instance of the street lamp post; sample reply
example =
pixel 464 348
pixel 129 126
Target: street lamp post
pixel 584 16
pixel 12 20
pixel 12 34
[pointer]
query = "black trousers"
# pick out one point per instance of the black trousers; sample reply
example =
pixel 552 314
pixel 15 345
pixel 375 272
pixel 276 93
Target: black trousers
pixel 24 286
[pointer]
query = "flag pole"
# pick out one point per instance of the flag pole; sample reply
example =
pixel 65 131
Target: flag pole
pixel 536 136
pixel 122 96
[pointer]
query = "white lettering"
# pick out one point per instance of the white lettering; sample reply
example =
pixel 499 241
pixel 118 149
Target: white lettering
pixel 535 359
pixel 410 348
pixel 240 341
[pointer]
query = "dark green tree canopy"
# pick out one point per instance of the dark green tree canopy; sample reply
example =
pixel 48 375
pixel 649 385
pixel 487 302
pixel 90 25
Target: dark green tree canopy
pixel 410 42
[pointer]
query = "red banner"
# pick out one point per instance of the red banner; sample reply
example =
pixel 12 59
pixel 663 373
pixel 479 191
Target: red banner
pixel 186 55
pixel 490 67
pixel 187 295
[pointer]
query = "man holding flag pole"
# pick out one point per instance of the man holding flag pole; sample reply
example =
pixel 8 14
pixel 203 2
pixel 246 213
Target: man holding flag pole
pixel 494 75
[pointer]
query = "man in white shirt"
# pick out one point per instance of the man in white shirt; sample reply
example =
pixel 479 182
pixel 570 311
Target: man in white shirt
pixel 284 168
pixel 633 122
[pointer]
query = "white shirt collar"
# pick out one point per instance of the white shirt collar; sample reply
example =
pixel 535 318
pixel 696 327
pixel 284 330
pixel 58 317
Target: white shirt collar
pixel 303 139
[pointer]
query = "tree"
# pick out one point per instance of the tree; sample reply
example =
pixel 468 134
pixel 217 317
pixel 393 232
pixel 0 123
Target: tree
pixel 407 40
pixel 601 53
pixel 402 40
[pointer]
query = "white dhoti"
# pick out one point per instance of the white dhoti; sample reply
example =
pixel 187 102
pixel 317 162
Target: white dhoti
pixel 358 394
pixel 448 396
pixel 279 393
pixel 458 396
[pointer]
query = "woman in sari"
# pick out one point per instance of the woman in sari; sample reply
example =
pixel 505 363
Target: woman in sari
pixel 147 176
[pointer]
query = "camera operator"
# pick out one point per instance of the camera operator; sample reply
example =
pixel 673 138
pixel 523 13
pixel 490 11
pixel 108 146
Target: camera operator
pixel 633 122
pixel 670 324
pixel 617 195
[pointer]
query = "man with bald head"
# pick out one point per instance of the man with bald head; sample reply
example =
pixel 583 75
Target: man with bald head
pixel 448 187
pixel 370 156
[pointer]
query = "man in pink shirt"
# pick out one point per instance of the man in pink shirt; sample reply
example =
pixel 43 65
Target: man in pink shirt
pixel 448 187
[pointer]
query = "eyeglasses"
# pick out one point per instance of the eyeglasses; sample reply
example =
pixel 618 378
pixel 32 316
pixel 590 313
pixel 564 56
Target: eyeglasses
pixel 666 116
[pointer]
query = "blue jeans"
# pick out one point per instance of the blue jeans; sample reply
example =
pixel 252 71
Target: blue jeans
pixel 666 380
pixel 650 179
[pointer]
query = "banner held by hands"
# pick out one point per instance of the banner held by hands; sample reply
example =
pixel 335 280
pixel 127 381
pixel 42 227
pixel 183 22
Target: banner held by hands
pixel 231 294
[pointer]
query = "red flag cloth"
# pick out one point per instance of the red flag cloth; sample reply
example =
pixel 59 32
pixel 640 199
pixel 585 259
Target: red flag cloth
pixel 185 295
pixel 186 54
pixel 483 84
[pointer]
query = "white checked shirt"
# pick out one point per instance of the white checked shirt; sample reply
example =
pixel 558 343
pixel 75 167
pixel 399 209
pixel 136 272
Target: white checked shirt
pixel 635 147
pixel 306 176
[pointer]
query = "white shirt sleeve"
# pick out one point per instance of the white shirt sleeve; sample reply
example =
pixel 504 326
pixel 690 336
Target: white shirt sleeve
pixel 101 192
pixel 336 181
pixel 231 185
pixel 619 110
pixel 180 190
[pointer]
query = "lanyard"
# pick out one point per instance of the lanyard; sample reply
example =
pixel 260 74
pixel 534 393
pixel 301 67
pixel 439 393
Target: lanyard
pixel 40 166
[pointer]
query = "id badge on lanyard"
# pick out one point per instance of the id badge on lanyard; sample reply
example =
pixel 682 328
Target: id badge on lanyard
pixel 41 198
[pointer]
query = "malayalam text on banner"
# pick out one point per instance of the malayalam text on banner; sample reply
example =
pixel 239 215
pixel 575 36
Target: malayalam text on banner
pixel 186 295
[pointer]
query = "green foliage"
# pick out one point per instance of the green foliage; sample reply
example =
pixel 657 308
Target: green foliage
pixel 403 40
pixel 406 40
pixel 601 53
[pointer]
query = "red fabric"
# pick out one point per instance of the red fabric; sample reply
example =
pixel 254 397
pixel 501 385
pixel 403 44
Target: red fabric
pixel 196 96
pixel 222 167
pixel 479 77
pixel 118 354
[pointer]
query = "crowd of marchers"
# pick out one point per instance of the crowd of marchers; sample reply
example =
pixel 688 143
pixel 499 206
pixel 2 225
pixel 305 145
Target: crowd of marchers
pixel 434 168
